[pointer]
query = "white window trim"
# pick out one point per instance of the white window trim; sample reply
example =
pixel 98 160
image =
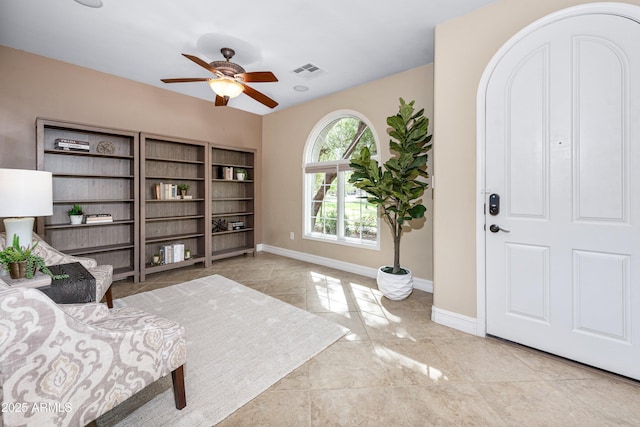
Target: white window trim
pixel 340 165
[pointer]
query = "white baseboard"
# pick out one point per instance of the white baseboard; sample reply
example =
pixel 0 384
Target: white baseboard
pixel 456 321
pixel 418 283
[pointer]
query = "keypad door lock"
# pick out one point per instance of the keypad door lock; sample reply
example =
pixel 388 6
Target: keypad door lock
pixel 494 204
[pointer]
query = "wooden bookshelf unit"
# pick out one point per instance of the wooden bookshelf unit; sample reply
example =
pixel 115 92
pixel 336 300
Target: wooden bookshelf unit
pixel 132 179
pixel 102 179
pixel 167 219
pixel 232 202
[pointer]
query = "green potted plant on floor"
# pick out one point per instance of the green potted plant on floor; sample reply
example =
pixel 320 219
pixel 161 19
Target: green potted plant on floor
pixel 22 262
pixel 397 190
pixel 75 214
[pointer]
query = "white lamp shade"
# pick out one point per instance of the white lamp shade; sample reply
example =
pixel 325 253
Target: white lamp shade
pixel 25 193
pixel 226 87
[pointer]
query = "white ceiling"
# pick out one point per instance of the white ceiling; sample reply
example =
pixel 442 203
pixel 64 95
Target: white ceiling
pixel 354 41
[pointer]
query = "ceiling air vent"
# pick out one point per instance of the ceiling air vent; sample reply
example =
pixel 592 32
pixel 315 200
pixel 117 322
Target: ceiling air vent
pixel 309 71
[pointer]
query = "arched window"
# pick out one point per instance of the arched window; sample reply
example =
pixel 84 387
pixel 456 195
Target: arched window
pixel 334 209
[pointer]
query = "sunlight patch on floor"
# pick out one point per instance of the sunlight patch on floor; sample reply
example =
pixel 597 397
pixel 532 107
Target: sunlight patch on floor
pixel 401 361
pixel 330 294
pixel 317 277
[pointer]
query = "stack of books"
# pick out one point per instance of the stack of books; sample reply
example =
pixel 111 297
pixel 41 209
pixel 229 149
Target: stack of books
pixel 172 253
pixel 227 172
pixel 71 145
pixel 98 218
pixel 166 191
pixel 235 225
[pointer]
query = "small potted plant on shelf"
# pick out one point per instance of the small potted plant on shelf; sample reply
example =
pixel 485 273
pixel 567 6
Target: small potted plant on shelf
pixel 241 174
pixel 75 214
pixel 22 262
pixel 183 188
pixel 155 259
pixel 397 190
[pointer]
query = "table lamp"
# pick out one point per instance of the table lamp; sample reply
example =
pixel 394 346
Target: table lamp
pixel 24 194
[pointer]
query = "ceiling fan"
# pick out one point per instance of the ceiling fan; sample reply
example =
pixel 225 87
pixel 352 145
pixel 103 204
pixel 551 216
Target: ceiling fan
pixel 230 79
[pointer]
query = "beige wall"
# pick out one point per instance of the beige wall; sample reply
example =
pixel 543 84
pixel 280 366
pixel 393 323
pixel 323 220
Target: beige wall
pixel 33 86
pixel 464 46
pixel 284 136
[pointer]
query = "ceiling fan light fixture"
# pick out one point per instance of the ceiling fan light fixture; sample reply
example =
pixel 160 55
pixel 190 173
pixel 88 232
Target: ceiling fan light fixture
pixel 226 87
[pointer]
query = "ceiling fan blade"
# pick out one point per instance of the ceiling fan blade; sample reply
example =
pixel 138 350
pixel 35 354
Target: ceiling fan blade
pixel 260 97
pixel 186 80
pixel 200 62
pixel 221 100
pixel 259 77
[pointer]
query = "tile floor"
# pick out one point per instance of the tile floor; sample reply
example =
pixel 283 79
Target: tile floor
pixel 397 368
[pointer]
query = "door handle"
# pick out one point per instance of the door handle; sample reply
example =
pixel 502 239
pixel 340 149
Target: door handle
pixel 494 228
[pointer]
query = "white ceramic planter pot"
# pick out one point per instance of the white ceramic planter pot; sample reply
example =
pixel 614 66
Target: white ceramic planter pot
pixel 76 219
pixel 241 176
pixel 395 286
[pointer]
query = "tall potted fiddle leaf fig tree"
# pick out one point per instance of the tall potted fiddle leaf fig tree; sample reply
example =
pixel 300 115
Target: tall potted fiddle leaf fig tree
pixel 397 187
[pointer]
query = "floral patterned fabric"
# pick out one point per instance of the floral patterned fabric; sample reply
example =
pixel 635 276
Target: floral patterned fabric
pixel 67 365
pixel 102 273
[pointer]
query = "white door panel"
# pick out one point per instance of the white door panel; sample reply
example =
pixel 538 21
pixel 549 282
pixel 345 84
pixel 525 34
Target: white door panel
pixel 601 109
pixel 605 314
pixel 527 281
pixel 563 153
pixel 526 149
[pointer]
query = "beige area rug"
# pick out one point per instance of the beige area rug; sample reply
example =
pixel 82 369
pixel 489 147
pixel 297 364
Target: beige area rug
pixel 239 343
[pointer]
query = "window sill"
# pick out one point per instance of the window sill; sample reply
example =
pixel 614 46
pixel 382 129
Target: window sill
pixel 343 242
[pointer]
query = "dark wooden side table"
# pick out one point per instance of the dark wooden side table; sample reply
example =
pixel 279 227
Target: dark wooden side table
pixel 79 287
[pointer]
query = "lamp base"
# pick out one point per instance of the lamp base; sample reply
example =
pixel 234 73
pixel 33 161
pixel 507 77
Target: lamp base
pixel 21 227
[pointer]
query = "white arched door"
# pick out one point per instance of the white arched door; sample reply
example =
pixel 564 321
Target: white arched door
pixel 563 155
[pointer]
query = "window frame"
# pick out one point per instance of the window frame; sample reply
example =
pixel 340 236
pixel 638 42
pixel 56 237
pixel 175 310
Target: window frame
pixel 340 166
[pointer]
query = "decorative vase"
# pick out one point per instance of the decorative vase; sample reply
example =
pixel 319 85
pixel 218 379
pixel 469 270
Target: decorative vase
pixel 18 270
pixel 76 219
pixel 395 286
pixel 183 193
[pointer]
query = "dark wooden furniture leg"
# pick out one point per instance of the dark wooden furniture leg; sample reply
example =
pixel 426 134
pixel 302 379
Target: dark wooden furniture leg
pixel 178 387
pixel 109 298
